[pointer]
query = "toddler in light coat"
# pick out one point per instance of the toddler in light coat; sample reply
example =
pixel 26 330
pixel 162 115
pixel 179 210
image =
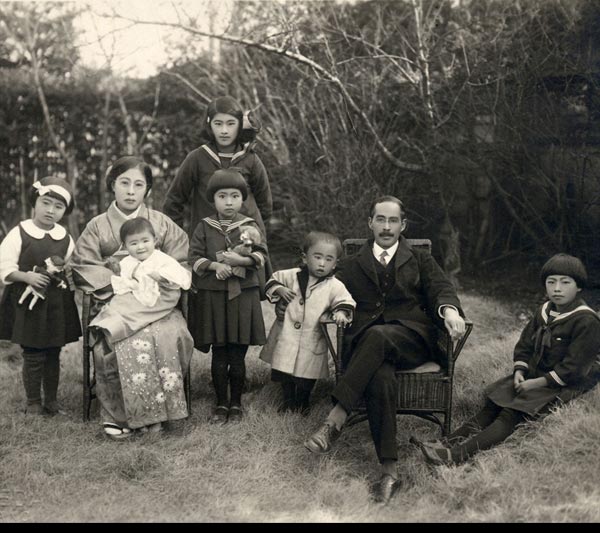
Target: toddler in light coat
pixel 296 347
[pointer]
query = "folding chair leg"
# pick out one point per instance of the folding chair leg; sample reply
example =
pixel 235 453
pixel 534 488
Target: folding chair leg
pixel 187 387
pixel 447 424
pixel 87 393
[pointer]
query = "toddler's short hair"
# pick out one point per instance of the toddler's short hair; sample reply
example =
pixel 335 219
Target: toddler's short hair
pixel 565 265
pixel 136 225
pixel 315 237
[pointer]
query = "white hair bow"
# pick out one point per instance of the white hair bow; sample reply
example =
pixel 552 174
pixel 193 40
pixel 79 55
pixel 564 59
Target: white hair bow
pixel 45 189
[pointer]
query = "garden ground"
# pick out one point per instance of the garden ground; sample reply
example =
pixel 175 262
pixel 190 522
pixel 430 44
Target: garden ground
pixel 61 469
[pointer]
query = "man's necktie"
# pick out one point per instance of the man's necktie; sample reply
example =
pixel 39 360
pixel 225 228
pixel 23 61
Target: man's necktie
pixel 383 258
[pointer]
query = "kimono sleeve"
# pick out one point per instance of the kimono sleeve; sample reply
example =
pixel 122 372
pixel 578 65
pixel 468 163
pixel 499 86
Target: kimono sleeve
pixel 581 355
pixel 90 273
pixel 175 241
pixel 175 273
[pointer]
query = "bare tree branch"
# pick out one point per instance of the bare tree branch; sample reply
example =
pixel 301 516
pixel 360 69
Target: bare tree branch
pixel 299 58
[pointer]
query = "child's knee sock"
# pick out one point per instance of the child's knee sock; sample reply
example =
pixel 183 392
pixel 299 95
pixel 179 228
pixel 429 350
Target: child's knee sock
pixel 33 371
pixel 51 377
pixel 288 388
pixel 493 434
pixel 481 420
pixel 237 372
pixel 218 370
pixel 304 388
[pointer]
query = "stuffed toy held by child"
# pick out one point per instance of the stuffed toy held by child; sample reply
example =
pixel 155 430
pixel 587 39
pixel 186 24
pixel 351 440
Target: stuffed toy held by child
pixel 53 267
pixel 249 237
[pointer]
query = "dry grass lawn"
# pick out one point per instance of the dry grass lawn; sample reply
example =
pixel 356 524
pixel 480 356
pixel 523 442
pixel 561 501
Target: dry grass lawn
pixel 65 470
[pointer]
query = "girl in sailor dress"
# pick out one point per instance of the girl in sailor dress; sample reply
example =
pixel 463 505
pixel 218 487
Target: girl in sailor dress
pixel 555 360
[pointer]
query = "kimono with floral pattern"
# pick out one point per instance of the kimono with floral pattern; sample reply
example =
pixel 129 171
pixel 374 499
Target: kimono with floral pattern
pixel 139 379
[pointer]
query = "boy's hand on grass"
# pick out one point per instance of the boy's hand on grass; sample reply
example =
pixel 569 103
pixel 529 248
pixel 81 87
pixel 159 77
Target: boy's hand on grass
pixel 341 318
pixel 518 378
pixel 286 294
pixel 223 271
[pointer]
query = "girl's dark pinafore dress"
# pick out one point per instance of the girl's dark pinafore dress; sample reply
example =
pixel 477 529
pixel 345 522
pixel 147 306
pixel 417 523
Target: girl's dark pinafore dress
pixel 52 322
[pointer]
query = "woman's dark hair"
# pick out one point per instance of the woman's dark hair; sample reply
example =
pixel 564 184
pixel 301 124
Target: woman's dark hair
pixel 315 237
pixel 123 164
pixel 136 225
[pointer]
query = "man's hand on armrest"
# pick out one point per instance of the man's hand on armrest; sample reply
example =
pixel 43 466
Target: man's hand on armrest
pixel 455 324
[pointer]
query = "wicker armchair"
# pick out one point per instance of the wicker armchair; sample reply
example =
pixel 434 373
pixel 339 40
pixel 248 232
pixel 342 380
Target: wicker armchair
pixel 89 373
pixel 425 391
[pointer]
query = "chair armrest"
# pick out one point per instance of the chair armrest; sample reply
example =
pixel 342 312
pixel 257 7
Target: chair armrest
pixel 335 351
pixel 86 304
pixel 452 349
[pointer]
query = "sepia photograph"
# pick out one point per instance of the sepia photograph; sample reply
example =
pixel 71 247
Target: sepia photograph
pixel 299 261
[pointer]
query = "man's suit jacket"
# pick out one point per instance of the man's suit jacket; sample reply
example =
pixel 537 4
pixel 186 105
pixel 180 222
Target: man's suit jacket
pixel 420 288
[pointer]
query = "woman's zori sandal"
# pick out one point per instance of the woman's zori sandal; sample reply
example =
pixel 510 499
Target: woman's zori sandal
pixel 116 432
pixel 152 428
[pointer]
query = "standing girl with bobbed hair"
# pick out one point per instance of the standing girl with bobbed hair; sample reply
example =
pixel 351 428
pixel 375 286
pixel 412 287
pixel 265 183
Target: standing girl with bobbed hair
pixel 38 310
pixel 231 134
pixel 223 321
pixel 131 397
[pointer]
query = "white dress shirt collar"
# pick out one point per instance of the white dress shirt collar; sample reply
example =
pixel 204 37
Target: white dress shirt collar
pixel 377 250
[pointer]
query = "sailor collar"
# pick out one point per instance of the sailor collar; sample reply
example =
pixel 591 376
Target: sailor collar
pixel 546 311
pixel 214 222
pixel 57 232
pixel 234 156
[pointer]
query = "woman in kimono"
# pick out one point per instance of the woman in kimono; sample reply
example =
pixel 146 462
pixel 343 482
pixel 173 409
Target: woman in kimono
pixel 139 379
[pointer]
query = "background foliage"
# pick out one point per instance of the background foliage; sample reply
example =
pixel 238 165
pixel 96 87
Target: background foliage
pixel 482 115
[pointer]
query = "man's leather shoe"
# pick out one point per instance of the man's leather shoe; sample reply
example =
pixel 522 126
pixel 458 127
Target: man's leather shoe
pixel 321 441
pixel 385 488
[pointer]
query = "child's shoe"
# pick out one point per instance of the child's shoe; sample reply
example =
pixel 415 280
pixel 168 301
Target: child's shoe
pixel 235 414
pixel 53 409
pixel 34 409
pixel 220 415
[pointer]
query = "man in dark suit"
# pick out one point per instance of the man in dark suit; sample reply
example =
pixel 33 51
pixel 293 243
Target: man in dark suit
pixel 401 293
